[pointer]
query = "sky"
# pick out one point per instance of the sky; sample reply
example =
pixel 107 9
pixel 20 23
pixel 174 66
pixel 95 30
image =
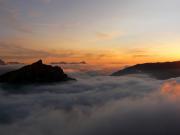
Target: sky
pixel 96 31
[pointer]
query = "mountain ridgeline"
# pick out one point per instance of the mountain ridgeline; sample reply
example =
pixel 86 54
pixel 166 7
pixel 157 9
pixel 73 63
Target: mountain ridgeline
pixel 35 73
pixel 161 70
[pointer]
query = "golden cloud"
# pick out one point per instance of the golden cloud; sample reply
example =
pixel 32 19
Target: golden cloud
pixel 171 89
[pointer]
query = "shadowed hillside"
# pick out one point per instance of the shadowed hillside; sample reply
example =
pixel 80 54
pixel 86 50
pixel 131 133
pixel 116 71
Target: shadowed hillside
pixel 162 71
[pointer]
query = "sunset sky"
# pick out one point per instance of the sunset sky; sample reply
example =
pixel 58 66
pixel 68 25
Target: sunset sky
pixel 96 31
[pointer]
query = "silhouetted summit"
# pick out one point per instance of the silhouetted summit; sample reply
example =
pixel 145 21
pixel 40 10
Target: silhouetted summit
pixel 162 71
pixel 2 62
pixel 35 73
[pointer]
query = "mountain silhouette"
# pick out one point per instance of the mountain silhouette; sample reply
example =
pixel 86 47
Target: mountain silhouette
pixel 35 73
pixel 161 70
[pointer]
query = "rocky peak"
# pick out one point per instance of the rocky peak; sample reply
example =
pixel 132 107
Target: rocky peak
pixel 35 73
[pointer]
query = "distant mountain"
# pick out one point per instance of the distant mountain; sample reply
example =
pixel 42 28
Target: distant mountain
pixel 2 62
pixel 62 62
pixel 35 73
pixel 161 71
pixel 14 63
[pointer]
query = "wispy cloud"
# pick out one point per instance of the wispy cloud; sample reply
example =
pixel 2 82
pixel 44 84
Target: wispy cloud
pixel 19 52
pixel 107 35
pixel 11 51
pixel 140 53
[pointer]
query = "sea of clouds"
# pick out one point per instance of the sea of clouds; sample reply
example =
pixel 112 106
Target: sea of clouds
pixel 95 104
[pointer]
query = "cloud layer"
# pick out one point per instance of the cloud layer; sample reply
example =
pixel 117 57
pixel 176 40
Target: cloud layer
pixel 96 105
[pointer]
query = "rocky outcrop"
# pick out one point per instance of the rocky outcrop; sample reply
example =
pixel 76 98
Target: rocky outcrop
pixel 35 73
pixel 162 71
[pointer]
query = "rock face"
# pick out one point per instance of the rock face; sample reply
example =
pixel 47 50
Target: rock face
pixel 35 73
pixel 161 71
pixel 2 62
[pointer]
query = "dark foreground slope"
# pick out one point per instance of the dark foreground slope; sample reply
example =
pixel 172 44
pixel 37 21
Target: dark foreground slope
pixel 162 71
pixel 35 73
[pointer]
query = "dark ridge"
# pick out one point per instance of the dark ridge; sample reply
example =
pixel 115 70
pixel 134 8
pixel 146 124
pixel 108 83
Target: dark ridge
pixel 161 70
pixel 35 73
